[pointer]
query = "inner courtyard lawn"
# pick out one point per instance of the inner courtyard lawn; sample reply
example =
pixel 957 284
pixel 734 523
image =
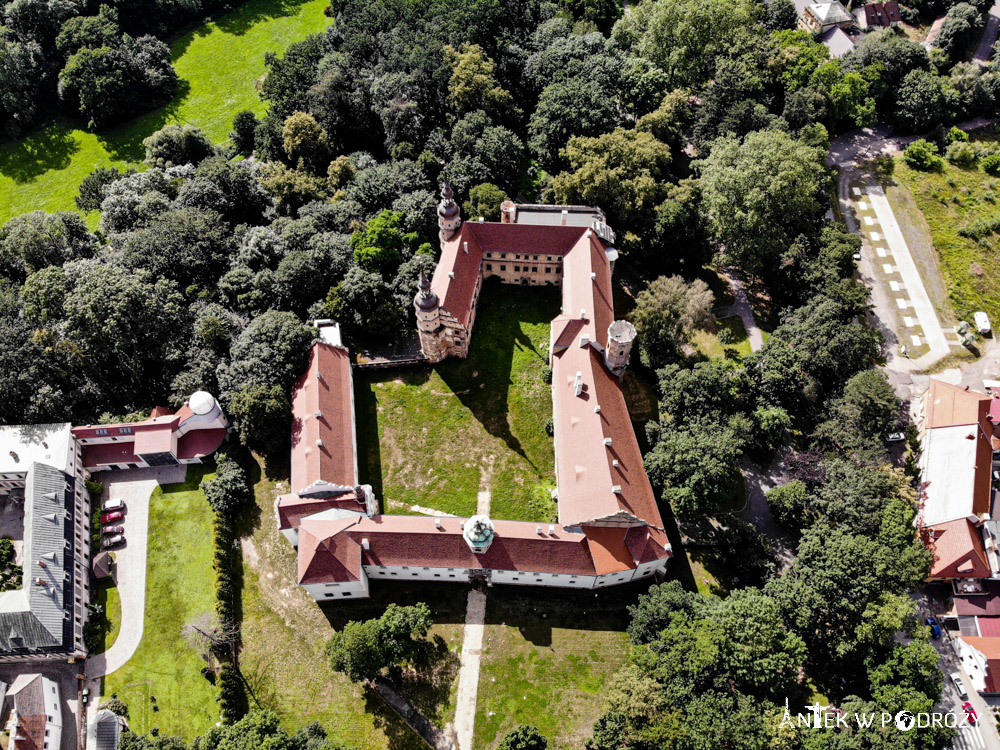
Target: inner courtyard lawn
pixel 162 683
pixel 433 436
pixel 219 65
pixel 951 200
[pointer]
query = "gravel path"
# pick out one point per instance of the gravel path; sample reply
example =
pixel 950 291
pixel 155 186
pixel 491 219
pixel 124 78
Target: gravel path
pixel 468 675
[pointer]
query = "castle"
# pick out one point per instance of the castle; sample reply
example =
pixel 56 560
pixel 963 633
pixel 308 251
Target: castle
pixel 609 528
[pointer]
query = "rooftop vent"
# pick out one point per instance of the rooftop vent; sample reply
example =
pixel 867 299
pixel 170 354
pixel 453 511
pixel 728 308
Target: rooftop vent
pixel 552 530
pixel 607 442
pixel 437 523
pixel 584 340
pixel 364 543
pixel 318 414
pixel 597 409
pixel 538 529
pixel 617 489
pixel 578 383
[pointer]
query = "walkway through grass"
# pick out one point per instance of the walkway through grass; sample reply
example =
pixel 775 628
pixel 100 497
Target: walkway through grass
pixel 162 683
pixel 219 65
pixel 434 436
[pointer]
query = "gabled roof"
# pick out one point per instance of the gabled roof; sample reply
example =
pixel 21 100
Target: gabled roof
pixel 292 508
pixel 323 447
pixel 830 13
pixel 947 405
pixel 325 554
pixel 958 550
pixel 957 463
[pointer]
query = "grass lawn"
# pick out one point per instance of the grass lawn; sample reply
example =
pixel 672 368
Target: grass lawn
pixel 709 344
pixel 219 64
pixel 285 631
pixel 950 200
pixel 435 436
pixel 179 588
pixel 546 658
pixel 106 594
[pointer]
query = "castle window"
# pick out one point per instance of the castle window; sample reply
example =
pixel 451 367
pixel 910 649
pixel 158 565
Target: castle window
pixel 548 257
pixel 517 256
pixel 534 269
pixel 548 269
pixel 489 266
pixel 503 268
pixel 517 269
pixel 558 269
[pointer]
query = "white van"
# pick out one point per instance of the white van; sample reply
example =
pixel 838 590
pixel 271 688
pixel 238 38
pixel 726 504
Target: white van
pixel 115 504
pixel 982 322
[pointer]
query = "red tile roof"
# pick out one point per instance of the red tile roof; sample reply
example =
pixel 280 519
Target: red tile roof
pixel 957 549
pixel 950 405
pixel 980 604
pixel 989 627
pixel 325 554
pixel 200 443
pixel 330 394
pixel 292 508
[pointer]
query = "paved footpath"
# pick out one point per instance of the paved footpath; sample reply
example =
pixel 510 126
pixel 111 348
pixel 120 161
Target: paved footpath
pixel 741 307
pixel 468 675
pixel 912 298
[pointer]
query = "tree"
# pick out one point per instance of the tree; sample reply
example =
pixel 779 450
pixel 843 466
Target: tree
pixel 666 312
pixel 923 101
pixel 655 608
pixel 271 351
pixel 780 14
pixel 473 84
pixel 91 191
pixel 228 492
pixel 484 200
pixel 601 13
pixel 38 20
pixel 306 143
pixel 262 729
pixel 568 108
pixel 864 414
pixel 363 649
pixel 173 145
pixel 35 240
pixel 684 37
pixel 89 31
pixel 263 415
pixel 759 195
pixel 623 172
pixel 670 121
pixel 524 737
pixel 243 135
pixel 363 301
pixel 23 72
pixel 291 188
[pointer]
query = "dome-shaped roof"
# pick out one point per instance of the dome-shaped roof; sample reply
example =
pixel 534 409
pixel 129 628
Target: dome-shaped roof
pixel 201 402
pixel 426 299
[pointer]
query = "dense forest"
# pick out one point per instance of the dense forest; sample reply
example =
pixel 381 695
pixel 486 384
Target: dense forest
pixel 700 126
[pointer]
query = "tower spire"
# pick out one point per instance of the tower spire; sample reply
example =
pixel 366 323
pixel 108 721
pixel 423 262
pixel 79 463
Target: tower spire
pixel 449 218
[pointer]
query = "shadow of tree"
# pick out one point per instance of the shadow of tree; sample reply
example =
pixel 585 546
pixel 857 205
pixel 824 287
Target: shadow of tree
pixel 241 20
pixel 124 142
pixel 48 149
pixel 398 735
pixel 427 684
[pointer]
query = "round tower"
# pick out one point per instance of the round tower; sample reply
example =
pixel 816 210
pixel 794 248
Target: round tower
pixel 478 533
pixel 449 220
pixel 621 334
pixel 427 307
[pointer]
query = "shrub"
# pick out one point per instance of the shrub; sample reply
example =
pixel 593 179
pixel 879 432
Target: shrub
pixel 229 492
pixel 547 375
pixel 117 706
pixel 961 154
pixel 244 134
pixel 232 696
pixel 991 164
pixel 956 135
pixel 524 737
pixel 727 336
pixel 788 503
pixel 922 155
pixel 173 145
pixel 550 429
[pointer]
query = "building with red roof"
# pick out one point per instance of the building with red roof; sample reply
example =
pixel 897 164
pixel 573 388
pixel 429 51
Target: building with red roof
pixel 609 529
pixel 194 432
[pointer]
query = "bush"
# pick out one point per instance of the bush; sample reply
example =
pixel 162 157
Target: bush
pixel 957 135
pixel 788 503
pixel 547 375
pixel 229 492
pixel 550 429
pixel 232 696
pixel 922 155
pixel 961 154
pixel 727 336
pixel 117 706
pixel 174 145
pixel 525 737
pixel 991 164
pixel 244 135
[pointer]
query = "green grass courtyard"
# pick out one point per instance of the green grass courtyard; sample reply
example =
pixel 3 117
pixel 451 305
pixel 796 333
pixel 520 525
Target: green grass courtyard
pixel 219 65
pixel 435 436
pixel 162 683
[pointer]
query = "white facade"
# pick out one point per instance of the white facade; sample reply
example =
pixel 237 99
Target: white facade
pixel 322 592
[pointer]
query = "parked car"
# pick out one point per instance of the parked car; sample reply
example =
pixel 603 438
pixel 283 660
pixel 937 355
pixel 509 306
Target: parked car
pixel 113 541
pixel 935 628
pixel 115 504
pixel 970 712
pixel 115 515
pixel 113 530
pixel 959 683
pixel 857 256
pixel 982 321
pixel 896 437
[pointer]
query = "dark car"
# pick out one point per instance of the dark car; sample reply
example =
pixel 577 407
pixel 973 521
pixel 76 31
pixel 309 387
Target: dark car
pixel 935 628
pixel 113 530
pixel 115 515
pixel 113 541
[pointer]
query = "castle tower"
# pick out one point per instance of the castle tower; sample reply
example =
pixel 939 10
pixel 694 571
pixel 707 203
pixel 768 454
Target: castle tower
pixel 478 533
pixel 449 220
pixel 427 307
pixel 621 334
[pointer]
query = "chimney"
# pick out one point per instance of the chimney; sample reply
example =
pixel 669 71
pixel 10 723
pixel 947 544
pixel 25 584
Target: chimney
pixel 593 276
pixel 584 340
pixel 607 442
pixel 615 463
pixel 481 219
pixel 318 414
pixel 319 376
pixel 583 313
pixel 451 274
pixel 589 234
pixel 319 443
pixel 465 245
pixel 437 524
pixel 578 384
pixel 597 409
pixel 565 216
pixel 617 489
pixel 538 530
pixel 552 530
pixel 365 545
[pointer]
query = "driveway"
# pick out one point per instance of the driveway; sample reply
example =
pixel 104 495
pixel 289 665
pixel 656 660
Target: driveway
pixel 861 144
pixel 134 487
